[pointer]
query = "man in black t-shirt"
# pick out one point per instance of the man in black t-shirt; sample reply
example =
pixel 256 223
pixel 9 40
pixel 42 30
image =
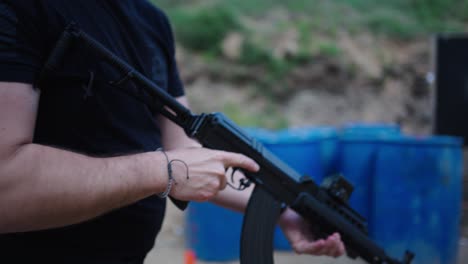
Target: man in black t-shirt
pixel 79 177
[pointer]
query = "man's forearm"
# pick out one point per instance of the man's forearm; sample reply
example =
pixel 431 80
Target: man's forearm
pixel 44 187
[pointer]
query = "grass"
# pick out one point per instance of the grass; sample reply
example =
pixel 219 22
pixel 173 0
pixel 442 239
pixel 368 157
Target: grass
pixel 267 118
pixel 203 29
pixel 396 18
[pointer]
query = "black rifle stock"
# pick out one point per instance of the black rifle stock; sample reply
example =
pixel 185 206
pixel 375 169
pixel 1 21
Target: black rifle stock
pixel 276 182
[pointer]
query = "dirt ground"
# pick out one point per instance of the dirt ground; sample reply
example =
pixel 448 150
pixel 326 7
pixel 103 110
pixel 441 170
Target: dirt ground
pixel 170 247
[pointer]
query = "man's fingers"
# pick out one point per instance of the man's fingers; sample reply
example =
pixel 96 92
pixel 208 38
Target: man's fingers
pixel 223 181
pixel 236 160
pixel 332 247
pixel 341 248
pixel 314 248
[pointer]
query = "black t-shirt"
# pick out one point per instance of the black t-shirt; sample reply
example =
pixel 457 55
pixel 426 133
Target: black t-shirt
pixel 79 110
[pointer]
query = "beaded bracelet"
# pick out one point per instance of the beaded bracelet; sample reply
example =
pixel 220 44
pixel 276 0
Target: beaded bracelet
pixel 169 172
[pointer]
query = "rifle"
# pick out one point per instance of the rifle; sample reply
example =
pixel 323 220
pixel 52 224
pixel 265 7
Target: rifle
pixel 276 184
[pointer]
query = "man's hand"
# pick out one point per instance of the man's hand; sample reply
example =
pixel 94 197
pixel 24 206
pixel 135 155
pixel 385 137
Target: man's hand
pixel 206 171
pixel 298 232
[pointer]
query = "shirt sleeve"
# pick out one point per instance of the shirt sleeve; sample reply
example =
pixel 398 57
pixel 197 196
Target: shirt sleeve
pixel 19 52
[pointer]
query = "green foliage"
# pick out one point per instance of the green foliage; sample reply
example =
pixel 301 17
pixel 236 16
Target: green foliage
pixel 329 49
pixel 397 18
pixel 267 118
pixel 441 15
pixel 411 18
pixel 392 23
pixel 440 9
pixel 203 29
pixel 254 54
pixel 259 55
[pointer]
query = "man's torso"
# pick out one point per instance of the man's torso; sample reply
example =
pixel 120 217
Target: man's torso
pixel 79 110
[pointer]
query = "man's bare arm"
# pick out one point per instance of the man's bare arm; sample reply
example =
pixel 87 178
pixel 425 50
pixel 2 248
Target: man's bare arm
pixel 173 136
pixel 43 187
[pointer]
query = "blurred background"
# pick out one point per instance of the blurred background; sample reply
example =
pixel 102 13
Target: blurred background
pixel 317 68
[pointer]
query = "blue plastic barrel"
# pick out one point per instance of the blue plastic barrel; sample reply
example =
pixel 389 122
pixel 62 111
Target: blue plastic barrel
pixel 379 130
pixel 417 197
pixel 309 150
pixel 213 232
pixel 327 142
pixel 357 153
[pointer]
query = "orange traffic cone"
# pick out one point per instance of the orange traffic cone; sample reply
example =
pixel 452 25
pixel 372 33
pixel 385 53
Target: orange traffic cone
pixel 190 257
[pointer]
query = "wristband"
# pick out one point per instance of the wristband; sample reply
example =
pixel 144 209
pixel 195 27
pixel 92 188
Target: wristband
pixel 169 172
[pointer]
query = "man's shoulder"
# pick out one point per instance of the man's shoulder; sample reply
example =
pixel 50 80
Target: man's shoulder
pixel 34 13
pixel 152 12
pixel 148 7
pixel 29 6
pixel 157 19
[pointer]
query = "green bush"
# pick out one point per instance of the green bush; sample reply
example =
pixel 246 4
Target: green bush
pixel 270 117
pixel 441 15
pixel 397 18
pixel 253 54
pixel 204 29
pixel 439 9
pixel 393 23
pixel 329 49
